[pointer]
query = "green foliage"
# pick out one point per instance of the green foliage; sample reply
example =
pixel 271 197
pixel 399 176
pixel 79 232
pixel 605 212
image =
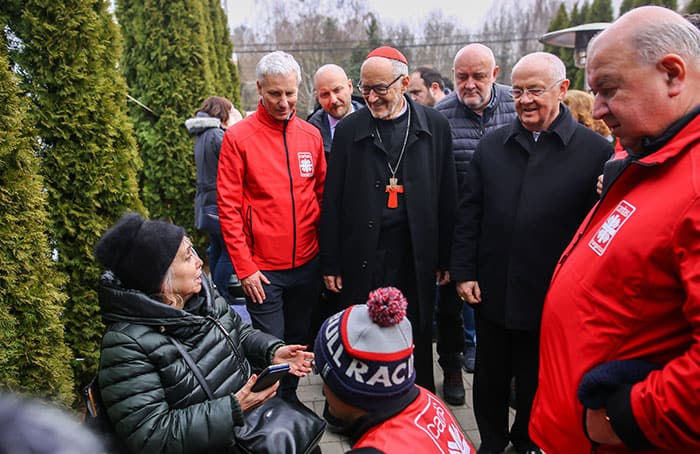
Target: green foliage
pixel 34 358
pixel 225 72
pixel 169 67
pixel 89 160
pixel 627 5
pixel 693 6
pixel 600 11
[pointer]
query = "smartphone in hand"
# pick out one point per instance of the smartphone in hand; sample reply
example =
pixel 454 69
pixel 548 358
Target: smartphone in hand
pixel 269 376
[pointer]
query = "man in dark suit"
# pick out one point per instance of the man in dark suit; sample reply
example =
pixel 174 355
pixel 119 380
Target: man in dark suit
pixel 528 186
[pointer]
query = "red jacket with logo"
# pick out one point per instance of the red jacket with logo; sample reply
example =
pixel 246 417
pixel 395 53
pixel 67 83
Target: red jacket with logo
pixel 628 287
pixel 269 187
pixel 426 425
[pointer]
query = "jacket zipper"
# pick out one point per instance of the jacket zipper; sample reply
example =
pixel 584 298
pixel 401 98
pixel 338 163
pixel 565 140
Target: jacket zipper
pixel 291 191
pixel 249 215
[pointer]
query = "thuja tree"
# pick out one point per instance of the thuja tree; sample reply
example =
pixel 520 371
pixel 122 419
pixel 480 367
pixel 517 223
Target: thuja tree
pixel 168 69
pixel 225 73
pixel 67 53
pixel 33 357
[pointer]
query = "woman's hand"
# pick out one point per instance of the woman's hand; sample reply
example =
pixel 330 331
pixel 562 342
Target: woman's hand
pixel 299 360
pixel 248 399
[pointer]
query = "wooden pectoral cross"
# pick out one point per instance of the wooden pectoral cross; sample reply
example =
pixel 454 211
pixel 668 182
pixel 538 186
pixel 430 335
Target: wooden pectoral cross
pixel 393 188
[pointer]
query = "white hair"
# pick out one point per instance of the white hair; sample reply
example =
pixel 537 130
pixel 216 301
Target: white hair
pixel 554 66
pixel 277 63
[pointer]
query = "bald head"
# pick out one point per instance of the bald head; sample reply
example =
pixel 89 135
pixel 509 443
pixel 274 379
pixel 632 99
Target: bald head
pixel 333 90
pixel 474 72
pixel 475 52
pixel 644 70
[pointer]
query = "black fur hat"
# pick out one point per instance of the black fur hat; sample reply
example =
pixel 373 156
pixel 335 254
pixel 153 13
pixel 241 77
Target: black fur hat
pixel 139 252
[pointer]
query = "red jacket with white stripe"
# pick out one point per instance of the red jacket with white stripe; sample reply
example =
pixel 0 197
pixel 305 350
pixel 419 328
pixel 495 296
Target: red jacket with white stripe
pixel 628 287
pixel 269 187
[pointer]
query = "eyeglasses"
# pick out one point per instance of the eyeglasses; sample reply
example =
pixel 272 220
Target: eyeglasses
pixel 380 89
pixel 517 93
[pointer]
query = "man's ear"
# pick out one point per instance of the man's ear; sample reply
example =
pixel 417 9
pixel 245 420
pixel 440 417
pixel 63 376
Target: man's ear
pixel 674 68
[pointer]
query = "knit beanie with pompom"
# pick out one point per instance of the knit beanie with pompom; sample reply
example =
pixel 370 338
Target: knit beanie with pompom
pixel 365 353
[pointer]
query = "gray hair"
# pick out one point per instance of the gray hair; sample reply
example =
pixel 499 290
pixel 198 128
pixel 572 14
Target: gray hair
pixel 653 42
pixel 554 66
pixel 277 63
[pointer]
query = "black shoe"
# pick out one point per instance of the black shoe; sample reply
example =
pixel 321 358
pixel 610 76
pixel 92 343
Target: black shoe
pixel 469 359
pixel 453 388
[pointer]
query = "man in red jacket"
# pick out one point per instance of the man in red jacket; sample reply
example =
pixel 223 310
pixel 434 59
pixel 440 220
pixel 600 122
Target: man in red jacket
pixel 269 185
pixel 620 340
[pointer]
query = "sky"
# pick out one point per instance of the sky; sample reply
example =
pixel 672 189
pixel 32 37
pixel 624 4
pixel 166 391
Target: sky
pixel 469 12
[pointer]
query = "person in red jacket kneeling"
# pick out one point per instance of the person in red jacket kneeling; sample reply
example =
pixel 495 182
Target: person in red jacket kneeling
pixel 364 355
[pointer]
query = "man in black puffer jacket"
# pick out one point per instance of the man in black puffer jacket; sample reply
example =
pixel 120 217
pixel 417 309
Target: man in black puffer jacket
pixel 477 105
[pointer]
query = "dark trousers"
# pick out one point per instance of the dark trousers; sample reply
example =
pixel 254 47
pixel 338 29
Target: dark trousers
pixel 394 266
pixel 286 312
pixel 450 328
pixel 501 354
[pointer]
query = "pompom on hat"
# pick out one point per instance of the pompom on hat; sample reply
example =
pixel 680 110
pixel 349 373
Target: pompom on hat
pixel 365 353
pixel 388 52
pixel 139 252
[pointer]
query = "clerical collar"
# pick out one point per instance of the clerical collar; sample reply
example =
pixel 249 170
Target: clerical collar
pixel 403 111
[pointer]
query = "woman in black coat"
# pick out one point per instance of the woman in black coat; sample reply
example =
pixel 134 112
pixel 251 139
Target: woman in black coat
pixel 153 297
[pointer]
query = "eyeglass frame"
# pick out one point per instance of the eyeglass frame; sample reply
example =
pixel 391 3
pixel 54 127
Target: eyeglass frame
pixel 379 89
pixel 536 94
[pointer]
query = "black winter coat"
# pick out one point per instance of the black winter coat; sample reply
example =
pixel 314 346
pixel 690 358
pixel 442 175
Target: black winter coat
pixel 208 135
pixel 521 207
pixel 153 399
pixel 354 197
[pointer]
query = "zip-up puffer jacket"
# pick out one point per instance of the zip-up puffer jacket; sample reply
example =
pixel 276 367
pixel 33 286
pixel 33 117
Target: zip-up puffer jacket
pixel 468 128
pixel 269 188
pixel 152 397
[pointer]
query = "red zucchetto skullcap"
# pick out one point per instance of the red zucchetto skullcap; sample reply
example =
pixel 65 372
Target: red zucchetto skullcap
pixel 387 52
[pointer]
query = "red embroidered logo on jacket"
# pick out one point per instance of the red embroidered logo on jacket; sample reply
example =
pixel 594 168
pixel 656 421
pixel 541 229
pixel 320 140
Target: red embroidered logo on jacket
pixel 306 163
pixel 599 243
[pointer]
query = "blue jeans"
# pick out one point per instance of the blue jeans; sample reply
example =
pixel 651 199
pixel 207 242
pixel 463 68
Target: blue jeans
pixel 469 325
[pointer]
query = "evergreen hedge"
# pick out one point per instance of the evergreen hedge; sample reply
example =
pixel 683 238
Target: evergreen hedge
pixel 68 59
pixel 34 358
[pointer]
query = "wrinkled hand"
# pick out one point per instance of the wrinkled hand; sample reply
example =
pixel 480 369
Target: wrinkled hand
pixel 599 184
pixel 248 399
pixel 299 360
pixel 442 277
pixel 599 428
pixel 469 291
pixel 333 283
pixel 252 286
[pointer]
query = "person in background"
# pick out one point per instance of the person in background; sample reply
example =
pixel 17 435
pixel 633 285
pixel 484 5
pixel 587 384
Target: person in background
pixel 621 323
pixel 389 200
pixel 580 103
pixel 365 358
pixel 333 91
pixel 153 298
pixel 207 127
pixel 269 186
pixel 425 86
pixel 477 105
pixel 529 185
